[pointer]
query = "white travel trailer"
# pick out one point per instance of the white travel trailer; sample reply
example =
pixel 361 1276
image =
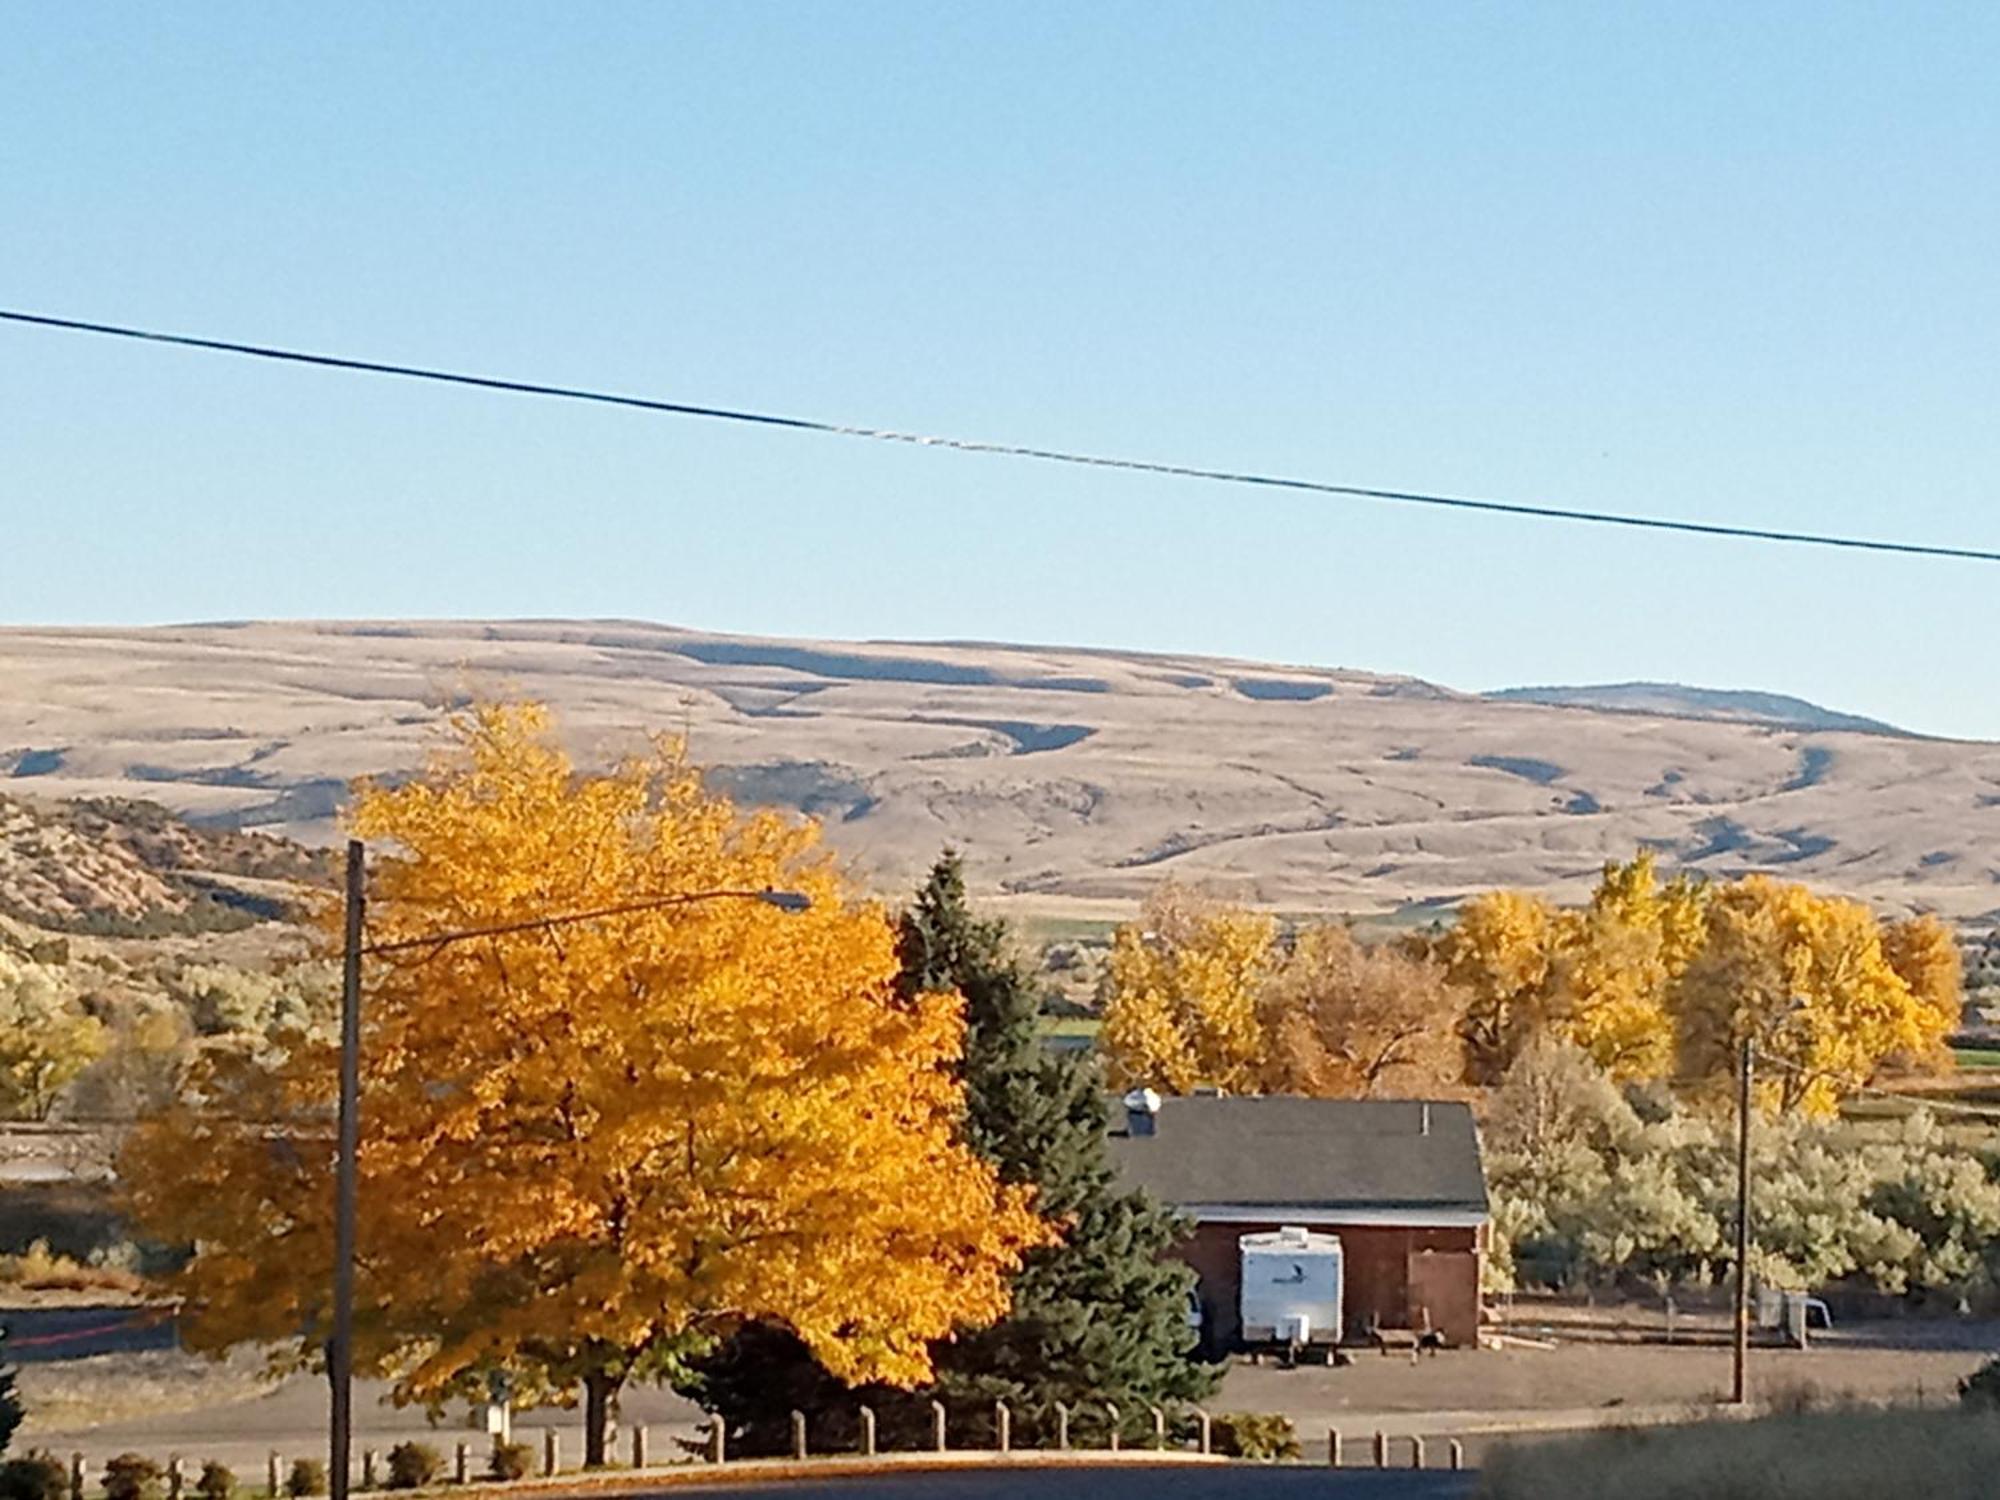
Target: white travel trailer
pixel 1292 1288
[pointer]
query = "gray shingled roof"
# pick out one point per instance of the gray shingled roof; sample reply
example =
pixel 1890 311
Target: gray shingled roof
pixel 1305 1153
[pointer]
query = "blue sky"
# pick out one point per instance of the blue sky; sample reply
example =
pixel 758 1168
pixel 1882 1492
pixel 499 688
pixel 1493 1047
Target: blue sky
pixel 1730 262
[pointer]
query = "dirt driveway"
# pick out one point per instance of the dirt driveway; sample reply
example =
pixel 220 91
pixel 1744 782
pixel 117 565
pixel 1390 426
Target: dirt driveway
pixel 1891 1361
pixel 1583 1381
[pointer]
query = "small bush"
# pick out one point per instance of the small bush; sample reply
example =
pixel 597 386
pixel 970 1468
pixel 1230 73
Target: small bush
pixel 1980 1391
pixel 414 1465
pixel 39 1269
pixel 511 1460
pixel 308 1477
pixel 1265 1436
pixel 217 1482
pixel 33 1476
pixel 132 1476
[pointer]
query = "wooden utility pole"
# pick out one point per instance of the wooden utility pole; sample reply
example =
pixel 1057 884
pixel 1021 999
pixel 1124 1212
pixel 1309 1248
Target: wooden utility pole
pixel 1740 1388
pixel 340 1348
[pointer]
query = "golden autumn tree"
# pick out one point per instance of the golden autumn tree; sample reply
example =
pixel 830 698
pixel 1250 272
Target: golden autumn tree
pixel 1806 979
pixel 1499 952
pixel 46 1038
pixel 1596 977
pixel 1180 996
pixel 1346 1019
pixel 586 1149
pixel 1611 965
pixel 1924 953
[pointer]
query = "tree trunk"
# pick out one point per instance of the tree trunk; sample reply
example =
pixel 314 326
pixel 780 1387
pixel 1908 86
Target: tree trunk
pixel 598 1389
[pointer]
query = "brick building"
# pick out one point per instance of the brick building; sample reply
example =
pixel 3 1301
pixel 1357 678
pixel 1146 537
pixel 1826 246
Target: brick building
pixel 1398 1181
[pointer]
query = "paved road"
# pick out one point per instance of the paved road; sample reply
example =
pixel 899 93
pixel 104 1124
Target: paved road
pixel 35 1335
pixel 1134 1483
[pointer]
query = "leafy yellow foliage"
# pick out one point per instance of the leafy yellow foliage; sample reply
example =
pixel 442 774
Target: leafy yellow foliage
pixel 1649 977
pixel 46 1039
pixel 1613 962
pixel 585 1148
pixel 1925 956
pixel 1499 953
pixel 1344 1019
pixel 1807 979
pixel 1597 978
pixel 1181 992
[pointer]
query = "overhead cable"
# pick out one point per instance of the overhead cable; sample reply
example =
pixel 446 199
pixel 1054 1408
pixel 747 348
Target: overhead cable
pixel 1011 450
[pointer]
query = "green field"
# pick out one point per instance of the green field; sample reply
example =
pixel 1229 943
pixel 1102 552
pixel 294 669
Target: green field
pixel 1083 1026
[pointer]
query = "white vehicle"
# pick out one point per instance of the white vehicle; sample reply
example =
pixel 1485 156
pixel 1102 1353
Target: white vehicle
pixel 1291 1289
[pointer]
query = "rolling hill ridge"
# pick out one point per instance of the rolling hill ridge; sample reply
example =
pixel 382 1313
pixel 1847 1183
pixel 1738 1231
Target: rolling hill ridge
pixel 1071 777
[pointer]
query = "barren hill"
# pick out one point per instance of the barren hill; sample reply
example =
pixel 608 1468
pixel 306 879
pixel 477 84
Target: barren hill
pixel 118 868
pixel 1069 776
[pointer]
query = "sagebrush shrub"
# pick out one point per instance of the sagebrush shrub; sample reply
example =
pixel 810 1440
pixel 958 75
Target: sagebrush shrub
pixel 511 1460
pixel 308 1477
pixel 33 1476
pixel 1265 1436
pixel 413 1465
pixel 132 1476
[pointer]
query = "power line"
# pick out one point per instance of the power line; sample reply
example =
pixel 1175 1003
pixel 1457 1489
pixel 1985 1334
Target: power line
pixel 1006 450
pixel 789 901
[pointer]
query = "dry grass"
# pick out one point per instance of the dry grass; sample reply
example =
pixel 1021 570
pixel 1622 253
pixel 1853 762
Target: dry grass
pixel 1360 793
pixel 38 1269
pixel 1827 1455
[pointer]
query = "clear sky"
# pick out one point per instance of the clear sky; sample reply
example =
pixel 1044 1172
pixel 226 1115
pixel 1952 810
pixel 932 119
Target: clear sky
pixel 1729 261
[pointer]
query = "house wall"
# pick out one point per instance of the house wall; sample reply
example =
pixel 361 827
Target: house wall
pixel 1393 1275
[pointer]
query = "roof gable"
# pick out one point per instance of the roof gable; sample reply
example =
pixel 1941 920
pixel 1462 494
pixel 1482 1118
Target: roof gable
pixel 1325 1154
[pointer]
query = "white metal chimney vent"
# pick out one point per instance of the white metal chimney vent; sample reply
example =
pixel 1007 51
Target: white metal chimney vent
pixel 1142 1112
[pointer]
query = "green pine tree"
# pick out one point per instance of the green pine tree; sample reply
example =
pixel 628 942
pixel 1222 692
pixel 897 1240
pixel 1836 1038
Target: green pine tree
pixel 1100 1317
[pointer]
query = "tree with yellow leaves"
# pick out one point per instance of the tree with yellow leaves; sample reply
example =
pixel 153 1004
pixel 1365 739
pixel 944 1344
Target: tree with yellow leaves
pixel 1181 989
pixel 586 1150
pixel 46 1038
pixel 1346 1019
pixel 1806 979
pixel 1924 954
pixel 1613 961
pixel 1498 952
pixel 1597 977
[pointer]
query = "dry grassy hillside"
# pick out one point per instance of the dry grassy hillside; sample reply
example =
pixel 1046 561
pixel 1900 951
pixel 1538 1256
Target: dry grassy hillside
pixel 1071 777
pixel 123 868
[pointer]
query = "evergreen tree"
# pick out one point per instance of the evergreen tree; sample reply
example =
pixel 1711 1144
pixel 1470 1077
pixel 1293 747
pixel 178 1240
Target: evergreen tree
pixel 1101 1316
